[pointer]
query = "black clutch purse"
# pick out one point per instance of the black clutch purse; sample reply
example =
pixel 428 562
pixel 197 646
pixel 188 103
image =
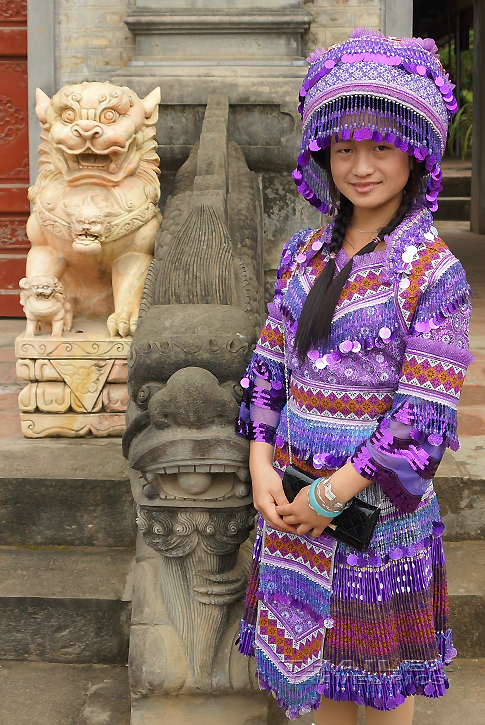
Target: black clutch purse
pixel 354 526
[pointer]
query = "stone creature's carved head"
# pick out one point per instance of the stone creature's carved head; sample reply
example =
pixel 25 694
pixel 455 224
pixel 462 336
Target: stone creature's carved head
pixel 89 223
pixel 98 132
pixel 42 287
pixel 189 352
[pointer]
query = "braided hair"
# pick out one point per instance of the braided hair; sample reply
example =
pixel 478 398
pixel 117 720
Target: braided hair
pixel 319 307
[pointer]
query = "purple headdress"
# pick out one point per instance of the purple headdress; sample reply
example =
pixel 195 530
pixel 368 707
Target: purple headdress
pixel 373 87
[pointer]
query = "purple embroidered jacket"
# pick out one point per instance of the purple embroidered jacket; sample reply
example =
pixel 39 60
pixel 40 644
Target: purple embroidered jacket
pixel 383 390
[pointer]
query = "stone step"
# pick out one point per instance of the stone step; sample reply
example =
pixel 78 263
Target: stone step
pixel 453 208
pixel 465 565
pixel 456 185
pixel 65 493
pixel 56 694
pixel 65 605
pixel 463 702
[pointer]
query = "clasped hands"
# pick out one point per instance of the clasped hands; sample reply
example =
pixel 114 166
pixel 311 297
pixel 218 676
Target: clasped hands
pixel 295 518
pixel 300 515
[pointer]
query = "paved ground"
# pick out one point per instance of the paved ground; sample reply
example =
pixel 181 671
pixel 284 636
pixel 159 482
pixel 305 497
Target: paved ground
pixel 35 693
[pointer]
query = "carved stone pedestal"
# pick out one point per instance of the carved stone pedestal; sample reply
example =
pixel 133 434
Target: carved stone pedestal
pixel 77 383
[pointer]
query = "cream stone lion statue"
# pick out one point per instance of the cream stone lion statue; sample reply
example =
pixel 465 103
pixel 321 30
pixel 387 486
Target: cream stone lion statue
pixel 95 214
pixel 44 303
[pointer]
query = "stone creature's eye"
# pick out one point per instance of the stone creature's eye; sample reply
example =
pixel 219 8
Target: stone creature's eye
pixel 108 115
pixel 68 115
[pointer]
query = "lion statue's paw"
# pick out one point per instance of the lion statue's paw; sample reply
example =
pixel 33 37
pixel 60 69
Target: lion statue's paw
pixel 123 323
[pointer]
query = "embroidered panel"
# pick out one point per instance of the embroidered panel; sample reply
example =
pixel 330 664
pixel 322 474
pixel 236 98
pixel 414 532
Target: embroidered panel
pixel 426 376
pixel 349 404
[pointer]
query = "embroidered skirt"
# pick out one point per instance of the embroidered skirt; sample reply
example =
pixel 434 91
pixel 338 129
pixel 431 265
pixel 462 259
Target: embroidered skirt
pixel 372 628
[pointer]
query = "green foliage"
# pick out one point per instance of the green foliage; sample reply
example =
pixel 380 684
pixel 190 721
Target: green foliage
pixel 461 127
pixel 466 66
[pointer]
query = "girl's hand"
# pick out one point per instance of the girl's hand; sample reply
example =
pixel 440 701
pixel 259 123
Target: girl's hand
pixel 267 495
pixel 300 514
pixel 267 487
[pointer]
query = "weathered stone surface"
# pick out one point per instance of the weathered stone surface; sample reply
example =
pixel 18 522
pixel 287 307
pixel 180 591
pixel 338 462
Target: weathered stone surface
pixel 285 213
pixel 64 605
pixel 462 507
pixel 215 710
pixel 74 460
pixel 55 694
pixel 72 425
pixel 199 318
pixel 66 512
pixel 465 563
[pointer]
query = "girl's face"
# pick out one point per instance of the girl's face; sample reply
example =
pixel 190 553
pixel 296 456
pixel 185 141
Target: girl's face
pixel 369 174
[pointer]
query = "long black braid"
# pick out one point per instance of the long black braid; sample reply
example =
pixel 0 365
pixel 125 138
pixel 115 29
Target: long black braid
pixel 321 302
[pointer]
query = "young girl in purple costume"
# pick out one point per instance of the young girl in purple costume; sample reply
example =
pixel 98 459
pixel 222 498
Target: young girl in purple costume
pixel 356 379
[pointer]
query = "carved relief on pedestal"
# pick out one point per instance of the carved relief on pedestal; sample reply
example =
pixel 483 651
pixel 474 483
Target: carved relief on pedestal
pixel 92 229
pixel 77 384
pixel 199 318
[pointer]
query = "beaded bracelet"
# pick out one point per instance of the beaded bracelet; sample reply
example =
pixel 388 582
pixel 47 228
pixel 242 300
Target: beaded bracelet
pixel 315 506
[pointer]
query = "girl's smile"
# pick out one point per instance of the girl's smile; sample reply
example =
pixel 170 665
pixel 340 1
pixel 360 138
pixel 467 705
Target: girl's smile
pixel 371 175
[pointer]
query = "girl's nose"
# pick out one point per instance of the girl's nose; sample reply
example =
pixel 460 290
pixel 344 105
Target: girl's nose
pixel 363 163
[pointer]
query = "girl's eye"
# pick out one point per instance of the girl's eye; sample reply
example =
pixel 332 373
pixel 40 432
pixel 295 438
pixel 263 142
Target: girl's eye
pixel 382 147
pixel 344 151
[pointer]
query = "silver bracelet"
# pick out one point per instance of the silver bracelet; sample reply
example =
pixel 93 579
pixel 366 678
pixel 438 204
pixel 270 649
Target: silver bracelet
pixel 329 495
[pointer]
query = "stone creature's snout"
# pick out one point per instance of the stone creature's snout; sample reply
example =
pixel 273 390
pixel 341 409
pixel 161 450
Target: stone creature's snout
pixel 192 398
pixel 87 129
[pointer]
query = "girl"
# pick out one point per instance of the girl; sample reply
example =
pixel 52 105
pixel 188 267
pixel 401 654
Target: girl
pixel 356 380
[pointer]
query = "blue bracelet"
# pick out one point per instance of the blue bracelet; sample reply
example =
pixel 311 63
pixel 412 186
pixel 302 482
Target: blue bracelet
pixel 315 506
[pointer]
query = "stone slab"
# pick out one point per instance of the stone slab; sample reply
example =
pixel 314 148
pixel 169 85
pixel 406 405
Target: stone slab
pixel 68 573
pixel 453 208
pixel 64 605
pixel 251 709
pixel 70 512
pixel 72 425
pixel 88 338
pixel 63 459
pixel 64 630
pixel 55 694
pixel 463 702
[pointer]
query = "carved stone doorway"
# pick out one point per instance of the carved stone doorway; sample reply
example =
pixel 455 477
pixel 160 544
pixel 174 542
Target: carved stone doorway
pixel 14 153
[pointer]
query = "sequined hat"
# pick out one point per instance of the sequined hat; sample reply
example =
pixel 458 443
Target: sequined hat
pixel 373 87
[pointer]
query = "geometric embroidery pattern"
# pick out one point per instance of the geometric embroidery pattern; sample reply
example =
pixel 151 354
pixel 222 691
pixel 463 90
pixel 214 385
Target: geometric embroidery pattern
pixel 284 546
pixel 349 404
pixel 271 341
pixel 421 269
pixel 421 372
pixel 280 640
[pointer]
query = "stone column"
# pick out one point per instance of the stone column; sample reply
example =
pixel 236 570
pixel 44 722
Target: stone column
pixel 477 216
pixel 41 49
pixel 397 17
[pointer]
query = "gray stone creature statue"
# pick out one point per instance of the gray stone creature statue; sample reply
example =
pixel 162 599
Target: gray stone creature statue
pixel 200 315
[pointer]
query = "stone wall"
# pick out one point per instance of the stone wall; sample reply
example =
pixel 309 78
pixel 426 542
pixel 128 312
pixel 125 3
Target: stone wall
pixel 334 19
pixel 93 39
